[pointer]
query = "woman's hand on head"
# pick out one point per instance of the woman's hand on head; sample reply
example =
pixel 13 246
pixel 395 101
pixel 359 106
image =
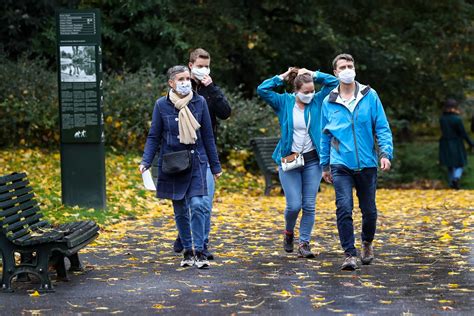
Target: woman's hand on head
pixel 305 71
pixel 285 74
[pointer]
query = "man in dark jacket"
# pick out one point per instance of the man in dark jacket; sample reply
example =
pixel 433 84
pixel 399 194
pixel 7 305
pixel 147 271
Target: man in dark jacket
pixel 199 63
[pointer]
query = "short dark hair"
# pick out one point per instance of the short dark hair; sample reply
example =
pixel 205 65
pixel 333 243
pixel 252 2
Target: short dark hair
pixel 199 53
pixel 344 56
pixel 450 104
pixel 173 71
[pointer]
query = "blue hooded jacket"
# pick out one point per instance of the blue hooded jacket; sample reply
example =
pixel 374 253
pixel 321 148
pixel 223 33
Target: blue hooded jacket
pixel 351 139
pixel 283 103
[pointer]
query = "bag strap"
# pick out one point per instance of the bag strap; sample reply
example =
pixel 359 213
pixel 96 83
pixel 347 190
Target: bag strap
pixel 307 131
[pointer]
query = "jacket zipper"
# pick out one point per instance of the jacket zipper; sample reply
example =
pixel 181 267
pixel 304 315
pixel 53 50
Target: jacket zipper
pixel 355 141
pixel 353 132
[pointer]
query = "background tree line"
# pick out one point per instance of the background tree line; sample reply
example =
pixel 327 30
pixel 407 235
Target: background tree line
pixel 414 53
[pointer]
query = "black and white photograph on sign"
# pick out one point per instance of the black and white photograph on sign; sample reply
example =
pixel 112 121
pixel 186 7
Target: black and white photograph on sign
pixel 77 63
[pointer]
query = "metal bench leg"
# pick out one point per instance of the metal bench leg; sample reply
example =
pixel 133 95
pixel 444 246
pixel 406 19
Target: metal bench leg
pixel 42 271
pixel 8 261
pixel 268 184
pixel 28 259
pixel 60 267
pixel 76 265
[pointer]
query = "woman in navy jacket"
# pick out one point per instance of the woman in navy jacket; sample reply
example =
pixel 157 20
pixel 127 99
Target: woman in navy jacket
pixel 181 121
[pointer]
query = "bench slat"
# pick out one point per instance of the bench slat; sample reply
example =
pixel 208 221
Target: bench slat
pixel 81 235
pixel 22 206
pixel 10 203
pixel 11 177
pixel 13 194
pixel 14 185
pixel 16 217
pixel 43 237
pixel 28 221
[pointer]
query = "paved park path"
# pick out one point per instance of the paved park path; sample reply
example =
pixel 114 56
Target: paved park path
pixel 424 264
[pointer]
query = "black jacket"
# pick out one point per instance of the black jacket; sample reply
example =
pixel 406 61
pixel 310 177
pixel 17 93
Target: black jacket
pixel 216 101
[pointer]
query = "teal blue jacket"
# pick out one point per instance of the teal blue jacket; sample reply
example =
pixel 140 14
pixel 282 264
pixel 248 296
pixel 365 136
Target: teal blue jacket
pixel 283 103
pixel 355 139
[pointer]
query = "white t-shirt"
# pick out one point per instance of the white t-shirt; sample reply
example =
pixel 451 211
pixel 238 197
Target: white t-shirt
pixel 300 136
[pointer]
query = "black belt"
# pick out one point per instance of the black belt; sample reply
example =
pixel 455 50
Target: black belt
pixel 310 156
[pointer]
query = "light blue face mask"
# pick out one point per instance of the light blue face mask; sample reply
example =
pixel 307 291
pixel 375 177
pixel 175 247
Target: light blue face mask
pixel 183 87
pixel 305 98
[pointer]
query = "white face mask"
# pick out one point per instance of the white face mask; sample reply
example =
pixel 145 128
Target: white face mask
pixel 183 87
pixel 347 76
pixel 200 73
pixel 305 98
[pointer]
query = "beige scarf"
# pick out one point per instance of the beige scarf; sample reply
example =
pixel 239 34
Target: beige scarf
pixel 187 123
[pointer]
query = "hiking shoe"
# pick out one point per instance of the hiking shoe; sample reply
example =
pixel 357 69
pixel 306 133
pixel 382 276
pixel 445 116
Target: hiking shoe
pixel 350 263
pixel 188 258
pixel 177 245
pixel 367 253
pixel 455 185
pixel 304 251
pixel 288 241
pixel 207 253
pixel 200 261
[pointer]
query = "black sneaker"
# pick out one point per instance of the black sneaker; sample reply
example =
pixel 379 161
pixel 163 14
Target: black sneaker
pixel 456 185
pixel 350 264
pixel 288 241
pixel 207 253
pixel 200 261
pixel 188 258
pixel 177 245
pixel 304 251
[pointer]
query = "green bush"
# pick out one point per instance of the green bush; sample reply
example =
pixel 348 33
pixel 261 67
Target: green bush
pixel 250 118
pixel 28 103
pixel 129 99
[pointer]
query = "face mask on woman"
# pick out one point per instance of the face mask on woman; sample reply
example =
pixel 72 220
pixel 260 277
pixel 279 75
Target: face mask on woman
pixel 200 73
pixel 305 98
pixel 347 76
pixel 183 87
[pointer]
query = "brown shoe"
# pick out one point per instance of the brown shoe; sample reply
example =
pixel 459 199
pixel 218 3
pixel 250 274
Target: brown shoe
pixel 350 263
pixel 367 253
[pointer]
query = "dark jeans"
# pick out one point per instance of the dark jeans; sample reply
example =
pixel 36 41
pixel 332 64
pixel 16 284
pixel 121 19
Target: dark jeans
pixel 365 183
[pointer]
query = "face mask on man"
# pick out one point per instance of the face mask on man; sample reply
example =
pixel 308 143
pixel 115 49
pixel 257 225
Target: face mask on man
pixel 305 98
pixel 183 87
pixel 200 73
pixel 347 76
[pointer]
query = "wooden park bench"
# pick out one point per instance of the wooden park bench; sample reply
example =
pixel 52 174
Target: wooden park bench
pixel 263 148
pixel 37 242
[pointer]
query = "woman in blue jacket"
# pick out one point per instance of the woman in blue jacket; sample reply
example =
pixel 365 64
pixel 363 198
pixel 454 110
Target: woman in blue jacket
pixel 180 122
pixel 299 115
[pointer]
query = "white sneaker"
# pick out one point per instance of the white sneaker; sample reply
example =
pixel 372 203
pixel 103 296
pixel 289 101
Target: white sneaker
pixel 188 259
pixel 200 261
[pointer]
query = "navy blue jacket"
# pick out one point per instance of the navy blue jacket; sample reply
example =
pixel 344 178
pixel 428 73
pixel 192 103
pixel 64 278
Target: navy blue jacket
pixel 164 134
pixel 218 105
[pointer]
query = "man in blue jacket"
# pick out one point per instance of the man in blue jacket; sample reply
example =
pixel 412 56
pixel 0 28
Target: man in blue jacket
pixel 355 131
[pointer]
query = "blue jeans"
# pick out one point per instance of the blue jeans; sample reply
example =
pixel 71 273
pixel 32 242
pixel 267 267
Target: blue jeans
pixel 454 173
pixel 208 204
pixel 190 230
pixel 365 183
pixel 301 186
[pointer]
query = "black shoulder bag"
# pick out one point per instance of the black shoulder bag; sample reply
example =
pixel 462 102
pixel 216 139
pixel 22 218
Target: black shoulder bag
pixel 177 162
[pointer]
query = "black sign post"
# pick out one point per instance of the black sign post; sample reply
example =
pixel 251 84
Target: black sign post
pixel 81 108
